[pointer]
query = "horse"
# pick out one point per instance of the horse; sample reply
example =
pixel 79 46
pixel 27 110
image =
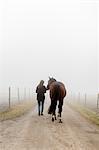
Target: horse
pixel 57 92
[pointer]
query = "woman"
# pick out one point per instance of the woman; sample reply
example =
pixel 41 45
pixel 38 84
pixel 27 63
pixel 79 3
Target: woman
pixel 40 90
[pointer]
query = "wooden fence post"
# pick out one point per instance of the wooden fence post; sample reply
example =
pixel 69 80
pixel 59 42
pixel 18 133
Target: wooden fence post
pixel 18 95
pixel 9 97
pixel 74 97
pixel 24 93
pixel 79 97
pixel 97 100
pixel 29 94
pixel 85 98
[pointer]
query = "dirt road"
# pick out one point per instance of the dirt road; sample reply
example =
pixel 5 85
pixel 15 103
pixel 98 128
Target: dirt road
pixel 31 132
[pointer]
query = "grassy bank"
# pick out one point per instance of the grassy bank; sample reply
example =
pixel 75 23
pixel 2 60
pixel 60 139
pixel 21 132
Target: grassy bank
pixel 87 113
pixel 16 111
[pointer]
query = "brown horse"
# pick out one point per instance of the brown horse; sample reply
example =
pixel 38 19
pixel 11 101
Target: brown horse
pixel 57 93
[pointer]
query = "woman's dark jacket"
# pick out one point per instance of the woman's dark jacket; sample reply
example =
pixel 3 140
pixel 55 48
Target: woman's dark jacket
pixel 41 90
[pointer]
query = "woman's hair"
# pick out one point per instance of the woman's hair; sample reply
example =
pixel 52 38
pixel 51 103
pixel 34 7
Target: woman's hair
pixel 41 83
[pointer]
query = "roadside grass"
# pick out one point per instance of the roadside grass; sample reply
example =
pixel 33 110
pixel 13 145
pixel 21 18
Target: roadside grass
pixel 86 112
pixel 16 110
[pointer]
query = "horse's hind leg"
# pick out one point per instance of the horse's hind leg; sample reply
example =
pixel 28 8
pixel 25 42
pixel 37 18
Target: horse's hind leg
pixel 54 103
pixel 55 117
pixel 60 109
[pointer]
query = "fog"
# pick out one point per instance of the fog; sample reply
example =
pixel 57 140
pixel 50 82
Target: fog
pixel 58 38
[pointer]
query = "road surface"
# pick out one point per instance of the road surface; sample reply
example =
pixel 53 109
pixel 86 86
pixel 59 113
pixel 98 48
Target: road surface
pixel 31 132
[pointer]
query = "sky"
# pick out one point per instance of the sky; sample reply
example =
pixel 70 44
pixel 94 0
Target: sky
pixel 58 38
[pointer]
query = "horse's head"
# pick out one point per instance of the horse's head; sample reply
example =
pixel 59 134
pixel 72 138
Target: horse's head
pixel 50 81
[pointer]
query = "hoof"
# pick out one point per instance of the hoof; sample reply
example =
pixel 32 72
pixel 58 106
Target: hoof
pixel 60 121
pixel 52 119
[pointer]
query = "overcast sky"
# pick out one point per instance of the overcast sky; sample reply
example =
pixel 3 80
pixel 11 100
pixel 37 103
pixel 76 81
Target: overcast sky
pixel 58 38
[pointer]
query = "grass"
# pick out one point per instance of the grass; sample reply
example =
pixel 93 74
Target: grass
pixel 87 113
pixel 16 111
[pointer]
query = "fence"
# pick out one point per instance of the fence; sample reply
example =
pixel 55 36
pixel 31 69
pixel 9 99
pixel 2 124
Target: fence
pixel 89 101
pixel 13 95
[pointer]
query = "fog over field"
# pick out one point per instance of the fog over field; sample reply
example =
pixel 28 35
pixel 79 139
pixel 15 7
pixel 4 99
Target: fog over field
pixel 58 38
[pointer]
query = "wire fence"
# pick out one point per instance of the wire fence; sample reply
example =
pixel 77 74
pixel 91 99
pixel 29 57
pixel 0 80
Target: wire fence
pixel 13 95
pixel 86 100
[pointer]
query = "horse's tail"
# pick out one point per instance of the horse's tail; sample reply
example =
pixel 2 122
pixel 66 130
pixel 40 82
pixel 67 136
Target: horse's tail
pixel 57 92
pixel 54 95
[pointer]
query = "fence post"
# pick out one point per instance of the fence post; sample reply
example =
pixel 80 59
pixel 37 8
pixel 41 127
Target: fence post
pixel 18 95
pixel 73 97
pixel 29 94
pixel 79 97
pixel 24 93
pixel 85 98
pixel 97 100
pixel 9 97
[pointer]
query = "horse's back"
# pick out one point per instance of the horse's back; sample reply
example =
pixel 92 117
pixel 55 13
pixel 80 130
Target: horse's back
pixel 57 89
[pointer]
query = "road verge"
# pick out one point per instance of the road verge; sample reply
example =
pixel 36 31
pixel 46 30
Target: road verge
pixel 16 110
pixel 86 112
